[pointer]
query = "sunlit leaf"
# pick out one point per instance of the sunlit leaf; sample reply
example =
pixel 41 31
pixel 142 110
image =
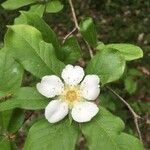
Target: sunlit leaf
pixel 128 51
pixel 60 136
pixel 88 30
pixel 25 98
pixel 26 45
pixel 105 132
pixel 108 64
pixel 14 4
pixel 54 6
pixel 48 34
pixel 10 72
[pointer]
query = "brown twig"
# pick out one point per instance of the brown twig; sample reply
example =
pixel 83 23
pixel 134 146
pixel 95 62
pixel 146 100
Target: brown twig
pixel 90 49
pixel 77 26
pixel 135 116
pixel 69 34
pixel 25 120
pixel 6 97
pixel 73 14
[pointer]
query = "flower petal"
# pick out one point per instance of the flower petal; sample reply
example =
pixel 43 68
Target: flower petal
pixel 50 86
pixel 90 87
pixel 72 75
pixel 56 110
pixel 84 111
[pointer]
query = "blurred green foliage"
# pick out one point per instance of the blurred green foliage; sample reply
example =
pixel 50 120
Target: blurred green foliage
pixel 117 21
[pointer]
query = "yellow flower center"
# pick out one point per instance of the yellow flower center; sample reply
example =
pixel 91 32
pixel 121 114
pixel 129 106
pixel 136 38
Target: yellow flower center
pixel 71 96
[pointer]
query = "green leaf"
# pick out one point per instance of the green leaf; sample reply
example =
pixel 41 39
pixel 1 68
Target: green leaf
pixel 100 46
pixel 130 85
pixel 37 9
pixel 71 50
pixel 107 64
pixel 21 19
pixel 88 30
pixel 11 120
pixel 107 102
pixel 16 120
pixel 14 4
pixel 128 51
pixel 25 98
pixel 54 6
pixel 10 72
pixel 38 57
pixel 105 132
pixel 48 34
pixel 10 80
pixel 5 144
pixel 4 119
pixel 134 72
pixel 60 136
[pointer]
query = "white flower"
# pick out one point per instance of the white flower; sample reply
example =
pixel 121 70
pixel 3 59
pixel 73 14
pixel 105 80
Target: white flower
pixel 70 95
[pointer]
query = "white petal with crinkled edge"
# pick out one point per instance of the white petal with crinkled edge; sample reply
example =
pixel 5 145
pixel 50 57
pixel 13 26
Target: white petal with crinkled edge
pixel 72 75
pixel 90 93
pixel 84 111
pixel 90 87
pixel 50 86
pixel 56 110
pixel 91 80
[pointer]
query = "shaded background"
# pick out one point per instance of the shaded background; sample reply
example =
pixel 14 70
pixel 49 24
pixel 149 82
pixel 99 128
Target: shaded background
pixel 117 21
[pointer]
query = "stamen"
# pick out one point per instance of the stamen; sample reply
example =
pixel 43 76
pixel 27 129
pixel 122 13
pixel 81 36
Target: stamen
pixel 71 96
